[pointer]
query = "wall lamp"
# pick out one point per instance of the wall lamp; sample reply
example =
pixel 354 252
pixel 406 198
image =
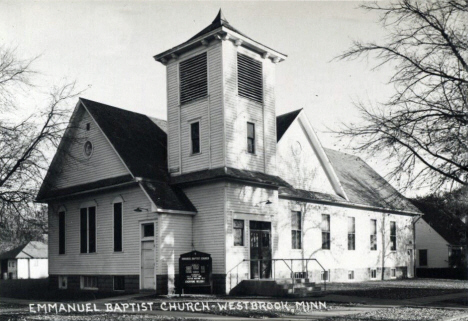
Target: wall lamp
pixel 267 202
pixel 140 209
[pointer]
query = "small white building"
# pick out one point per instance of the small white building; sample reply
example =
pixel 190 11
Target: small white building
pixel 28 261
pixel 441 241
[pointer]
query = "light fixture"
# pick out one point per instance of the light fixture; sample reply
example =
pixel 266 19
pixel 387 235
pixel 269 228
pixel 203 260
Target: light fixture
pixel 267 202
pixel 140 209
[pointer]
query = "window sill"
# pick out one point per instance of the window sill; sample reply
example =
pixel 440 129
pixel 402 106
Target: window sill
pixel 195 154
pixel 90 289
pixel 252 154
pixel 92 253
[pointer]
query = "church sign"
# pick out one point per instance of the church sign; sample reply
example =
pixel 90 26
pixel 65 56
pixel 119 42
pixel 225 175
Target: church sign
pixel 195 270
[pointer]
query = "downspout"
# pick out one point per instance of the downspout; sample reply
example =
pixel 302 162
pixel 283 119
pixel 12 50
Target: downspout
pixel 414 243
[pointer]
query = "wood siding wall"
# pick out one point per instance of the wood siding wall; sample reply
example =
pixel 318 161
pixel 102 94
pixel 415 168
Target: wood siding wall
pixel 239 110
pixel 208 111
pixel 298 163
pixel 209 224
pixel 437 247
pixel 175 238
pixel 74 168
pixel 105 260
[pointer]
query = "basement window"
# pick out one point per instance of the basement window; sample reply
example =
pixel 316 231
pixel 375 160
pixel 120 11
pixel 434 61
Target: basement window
pixel 325 276
pixel 88 283
pixel 373 274
pixel 62 282
pixel 119 283
pixel 249 78
pixel 193 75
pixel 350 275
pixel 393 273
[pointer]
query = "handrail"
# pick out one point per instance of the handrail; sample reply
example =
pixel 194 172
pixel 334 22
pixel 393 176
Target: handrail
pixel 284 261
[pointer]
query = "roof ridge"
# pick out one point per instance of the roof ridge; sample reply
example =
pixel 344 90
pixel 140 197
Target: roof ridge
pixel 122 109
pixel 290 112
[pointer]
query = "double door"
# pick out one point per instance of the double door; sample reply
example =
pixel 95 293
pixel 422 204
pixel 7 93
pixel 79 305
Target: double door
pixel 260 250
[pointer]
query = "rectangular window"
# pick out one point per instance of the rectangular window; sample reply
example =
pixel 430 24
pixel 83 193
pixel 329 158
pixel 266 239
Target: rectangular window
pixel 63 282
pixel 350 275
pixel 195 137
pixel 325 276
pixel 422 257
pixel 148 230
pixel 393 273
pixel 373 274
pixel 325 226
pixel 393 245
pixel 119 283
pixel 351 233
pixel 251 138
pixel 249 78
pixel 88 230
pixel 117 227
pixel 61 216
pixel 88 282
pixel 296 229
pixel 238 226
pixel 373 235
pixel 193 74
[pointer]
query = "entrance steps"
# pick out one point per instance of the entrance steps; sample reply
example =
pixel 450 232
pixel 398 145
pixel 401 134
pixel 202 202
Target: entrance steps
pixel 277 288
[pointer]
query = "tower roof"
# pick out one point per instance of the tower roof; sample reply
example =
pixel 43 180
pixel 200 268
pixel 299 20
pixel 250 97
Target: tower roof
pixel 219 29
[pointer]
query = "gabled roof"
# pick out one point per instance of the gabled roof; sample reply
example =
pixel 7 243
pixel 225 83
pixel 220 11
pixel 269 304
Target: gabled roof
pixel 32 250
pixel 141 144
pixel 365 186
pixel 450 227
pixel 284 121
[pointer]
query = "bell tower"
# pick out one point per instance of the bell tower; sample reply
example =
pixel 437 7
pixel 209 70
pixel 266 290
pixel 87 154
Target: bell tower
pixel 221 101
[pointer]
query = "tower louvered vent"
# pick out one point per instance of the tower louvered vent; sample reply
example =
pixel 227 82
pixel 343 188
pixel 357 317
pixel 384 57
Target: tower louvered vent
pixel 249 78
pixel 193 78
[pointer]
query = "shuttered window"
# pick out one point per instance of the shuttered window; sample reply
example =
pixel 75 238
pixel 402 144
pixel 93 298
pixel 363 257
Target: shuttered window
pixel 249 78
pixel 193 78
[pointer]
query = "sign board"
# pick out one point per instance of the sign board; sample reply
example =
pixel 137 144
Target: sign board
pixel 195 270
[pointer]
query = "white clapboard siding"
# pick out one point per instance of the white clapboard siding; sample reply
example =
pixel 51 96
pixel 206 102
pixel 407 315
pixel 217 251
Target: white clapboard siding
pixel 207 110
pixel 339 258
pixel 209 223
pixel 175 238
pixel 105 260
pixel 247 203
pixel 437 247
pixel 74 168
pixel 298 164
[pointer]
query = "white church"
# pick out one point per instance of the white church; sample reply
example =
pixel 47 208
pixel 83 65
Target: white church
pixel 224 175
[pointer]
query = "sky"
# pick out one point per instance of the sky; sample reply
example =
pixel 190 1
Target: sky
pixel 108 48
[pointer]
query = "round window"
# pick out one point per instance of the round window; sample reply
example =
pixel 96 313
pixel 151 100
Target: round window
pixel 296 148
pixel 88 149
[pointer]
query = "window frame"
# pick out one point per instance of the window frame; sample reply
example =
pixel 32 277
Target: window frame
pixel 325 275
pixel 326 245
pixel 143 236
pixel 60 283
pixel 352 234
pixel 393 237
pixel 87 209
pixel 62 237
pixel 83 286
pixel 117 201
pixel 114 283
pixel 251 139
pixel 393 273
pixel 234 228
pixel 373 236
pixel 373 271
pixel 350 274
pixel 296 230
pixel 192 152
pixel 419 257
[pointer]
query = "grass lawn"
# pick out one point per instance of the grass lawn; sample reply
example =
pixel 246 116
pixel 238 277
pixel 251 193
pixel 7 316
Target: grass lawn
pixel 401 314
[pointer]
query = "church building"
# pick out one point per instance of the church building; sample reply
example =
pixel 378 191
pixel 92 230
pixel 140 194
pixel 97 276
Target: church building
pixel 224 175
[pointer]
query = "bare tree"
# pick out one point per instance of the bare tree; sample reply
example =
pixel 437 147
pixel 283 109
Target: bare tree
pixel 422 128
pixel 26 144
